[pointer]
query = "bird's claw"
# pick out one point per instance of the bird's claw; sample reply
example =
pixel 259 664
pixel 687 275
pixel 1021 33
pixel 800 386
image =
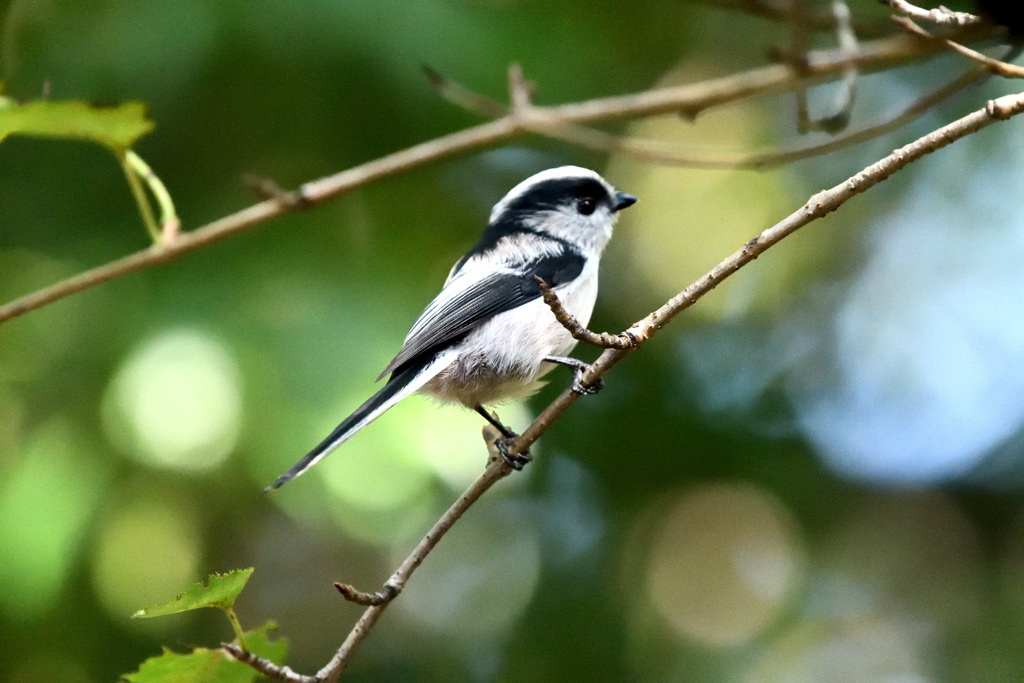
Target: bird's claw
pixel 516 461
pixel 579 388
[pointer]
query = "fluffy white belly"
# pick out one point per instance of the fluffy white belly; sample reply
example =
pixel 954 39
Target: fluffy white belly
pixel 502 359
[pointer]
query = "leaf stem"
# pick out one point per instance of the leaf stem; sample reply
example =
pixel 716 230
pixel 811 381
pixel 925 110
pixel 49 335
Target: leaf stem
pixel 168 215
pixel 139 193
pixel 239 633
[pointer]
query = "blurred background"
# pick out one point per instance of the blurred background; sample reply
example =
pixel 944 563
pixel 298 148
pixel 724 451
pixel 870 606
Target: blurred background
pixel 814 474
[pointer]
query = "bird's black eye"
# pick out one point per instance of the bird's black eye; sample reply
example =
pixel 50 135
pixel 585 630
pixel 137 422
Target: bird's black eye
pixel 586 206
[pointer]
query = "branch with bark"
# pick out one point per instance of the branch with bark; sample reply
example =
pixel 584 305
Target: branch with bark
pixel 617 347
pixel 687 100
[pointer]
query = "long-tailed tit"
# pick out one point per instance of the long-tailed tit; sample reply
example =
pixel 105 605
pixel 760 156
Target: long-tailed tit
pixel 488 336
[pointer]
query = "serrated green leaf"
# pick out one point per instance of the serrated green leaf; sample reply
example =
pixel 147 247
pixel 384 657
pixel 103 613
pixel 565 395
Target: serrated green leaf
pixel 210 666
pixel 117 127
pixel 260 643
pixel 199 666
pixel 221 591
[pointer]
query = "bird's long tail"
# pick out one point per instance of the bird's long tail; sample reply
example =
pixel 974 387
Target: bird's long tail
pixel 398 387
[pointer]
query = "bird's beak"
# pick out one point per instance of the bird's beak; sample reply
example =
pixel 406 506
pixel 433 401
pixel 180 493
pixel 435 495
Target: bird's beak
pixel 622 201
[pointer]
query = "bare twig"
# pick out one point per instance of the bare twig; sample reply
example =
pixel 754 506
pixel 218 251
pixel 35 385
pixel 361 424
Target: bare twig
pixel 604 340
pixel 267 188
pixel 816 207
pixel 265 666
pixel 847 40
pixel 942 15
pixel 692 99
pixel 848 87
pixel 993 66
pixel 661 152
pixel 387 594
pixel 496 470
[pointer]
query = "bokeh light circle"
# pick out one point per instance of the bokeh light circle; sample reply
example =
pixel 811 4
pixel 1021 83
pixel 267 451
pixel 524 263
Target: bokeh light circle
pixel 147 551
pixel 479 580
pixel 176 402
pixel 724 562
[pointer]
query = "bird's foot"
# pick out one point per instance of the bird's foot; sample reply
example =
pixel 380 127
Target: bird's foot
pixel 578 386
pixel 579 368
pixel 516 461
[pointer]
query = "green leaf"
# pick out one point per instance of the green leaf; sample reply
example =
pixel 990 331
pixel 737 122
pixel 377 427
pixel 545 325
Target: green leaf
pixel 210 666
pixel 221 591
pixel 199 666
pixel 260 643
pixel 117 127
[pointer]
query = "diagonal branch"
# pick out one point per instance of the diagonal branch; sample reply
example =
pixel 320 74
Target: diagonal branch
pixel 993 66
pixel 818 206
pixel 690 100
pixel 941 16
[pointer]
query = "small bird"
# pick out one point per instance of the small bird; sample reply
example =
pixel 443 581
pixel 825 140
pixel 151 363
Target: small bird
pixel 488 337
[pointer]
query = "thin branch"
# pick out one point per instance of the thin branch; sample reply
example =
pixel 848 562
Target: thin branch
pixel 265 666
pixel 387 594
pixel 496 470
pixel 942 15
pixel 847 41
pixel 690 99
pixel 601 340
pixel 848 87
pixel 993 66
pixel 818 206
pixel 661 152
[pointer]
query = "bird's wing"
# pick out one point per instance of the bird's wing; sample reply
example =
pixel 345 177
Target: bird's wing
pixel 469 300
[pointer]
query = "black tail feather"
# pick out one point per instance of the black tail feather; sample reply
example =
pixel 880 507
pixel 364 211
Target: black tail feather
pixel 394 385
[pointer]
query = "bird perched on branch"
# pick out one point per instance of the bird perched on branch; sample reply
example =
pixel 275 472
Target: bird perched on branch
pixel 488 336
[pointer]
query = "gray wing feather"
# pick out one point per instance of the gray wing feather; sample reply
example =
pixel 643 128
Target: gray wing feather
pixel 453 314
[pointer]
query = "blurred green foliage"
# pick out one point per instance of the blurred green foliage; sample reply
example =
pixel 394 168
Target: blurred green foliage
pixel 203 665
pixel 703 518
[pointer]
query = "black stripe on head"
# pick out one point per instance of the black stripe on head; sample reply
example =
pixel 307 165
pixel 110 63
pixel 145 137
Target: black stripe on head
pixel 555 193
pixel 547 195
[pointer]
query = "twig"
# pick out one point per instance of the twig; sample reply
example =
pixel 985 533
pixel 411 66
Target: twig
pixel 387 594
pixel 848 87
pixel 661 152
pixel 816 207
pixel 692 99
pixel 265 666
pixel 942 16
pixel 994 66
pixel 496 470
pixel 604 340
pixel 266 188
pixel 847 40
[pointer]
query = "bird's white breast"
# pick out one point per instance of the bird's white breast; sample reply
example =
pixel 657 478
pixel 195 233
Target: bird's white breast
pixel 503 358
